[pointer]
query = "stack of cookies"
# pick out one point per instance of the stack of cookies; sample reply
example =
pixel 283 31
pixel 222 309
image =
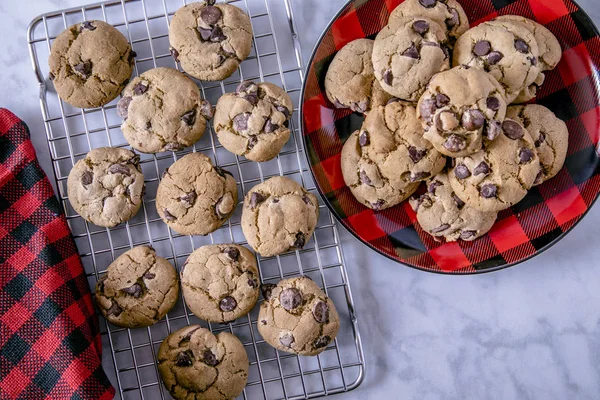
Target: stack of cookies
pixel 442 112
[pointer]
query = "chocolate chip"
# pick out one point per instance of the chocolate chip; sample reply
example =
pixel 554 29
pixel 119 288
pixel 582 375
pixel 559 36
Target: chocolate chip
pixel 433 186
pixel 459 203
pixel 488 191
pixel 208 357
pixel 267 289
pixel 184 359
pixel 525 155
pixel 364 178
pixel 284 110
pixel 218 209
pixel 227 304
pixel 428 3
pixel 130 57
pixel 87 177
pixel 521 46
pixel 306 199
pixel 415 154
pixel 492 103
pixel 428 108
pixel 169 216
pixel 134 290
pixel 86 25
pixel 541 139
pixel 206 109
pixel 378 205
pixel 84 69
pixel 300 240
pixel 512 129
pixel 222 172
pixel 217 35
pixel 173 147
pixel 473 120
pixel 204 33
pixel 364 139
pixel 440 228
pixel 482 48
pixel 360 106
pixel 189 118
pixel 393 100
pixel 51 76
pixel 419 176
pixel 148 125
pixel 140 88
pixel 240 121
pixel 188 199
pixel 123 107
pixel 454 20
pixel 411 52
pixel 119 169
pixel 495 57
pixel 323 341
pixel 263 321
pixel 533 61
pixel 174 54
pixel 149 276
pixel 466 235
pixel 255 199
pixel 210 14
pixel 455 143
pixel 321 312
pixel 388 77
pixel 421 27
pixel 482 168
pixel 287 340
pixel 493 129
pixel 441 100
pixel 290 298
pixel 252 141
pixel 246 86
pixel 539 178
pixel 270 126
pixel 114 309
pixel 461 171
pixel 232 252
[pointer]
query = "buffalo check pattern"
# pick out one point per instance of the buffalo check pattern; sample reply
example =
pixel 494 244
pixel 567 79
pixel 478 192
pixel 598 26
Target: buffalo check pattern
pixel 548 212
pixel 50 345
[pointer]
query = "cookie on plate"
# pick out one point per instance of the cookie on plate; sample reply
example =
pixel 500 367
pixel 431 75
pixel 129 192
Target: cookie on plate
pixel 350 81
pixel 550 137
pixel 163 111
pixel 210 40
pixel 442 214
pixel 220 282
pixel 90 64
pixel 196 364
pixel 279 215
pixel 194 197
pixel 297 317
pixel 449 14
pixel 384 162
pixel 106 187
pixel 500 175
pixel 138 290
pixel 459 108
pixel 507 50
pixel 407 54
pixel 254 121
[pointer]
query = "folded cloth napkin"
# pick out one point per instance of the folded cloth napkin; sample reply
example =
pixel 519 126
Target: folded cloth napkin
pixel 50 346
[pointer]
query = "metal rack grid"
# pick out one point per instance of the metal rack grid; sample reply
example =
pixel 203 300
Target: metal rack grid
pixel 71 133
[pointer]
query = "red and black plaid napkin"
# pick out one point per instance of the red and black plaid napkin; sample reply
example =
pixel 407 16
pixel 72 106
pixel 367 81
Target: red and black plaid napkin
pixel 50 346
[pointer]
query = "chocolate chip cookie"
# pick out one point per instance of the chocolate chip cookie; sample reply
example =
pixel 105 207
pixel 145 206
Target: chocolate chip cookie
pixel 459 108
pixel 350 81
pixel 210 40
pixel 90 64
pixel 254 121
pixel 138 290
pixel 550 137
pixel 384 162
pixel 500 175
pixel 220 282
pixel 106 187
pixel 407 54
pixel 297 317
pixel 196 364
pixel 442 214
pixel 279 215
pixel 194 197
pixel 447 13
pixel 163 111
pixel 507 50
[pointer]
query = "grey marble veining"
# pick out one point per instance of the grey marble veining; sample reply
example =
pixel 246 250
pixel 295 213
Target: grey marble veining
pixel 529 332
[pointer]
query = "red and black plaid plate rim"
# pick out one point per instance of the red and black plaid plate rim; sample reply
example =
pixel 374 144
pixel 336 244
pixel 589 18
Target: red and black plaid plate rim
pixel 547 213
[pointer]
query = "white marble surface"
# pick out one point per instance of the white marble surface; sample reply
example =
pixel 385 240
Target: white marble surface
pixel 529 332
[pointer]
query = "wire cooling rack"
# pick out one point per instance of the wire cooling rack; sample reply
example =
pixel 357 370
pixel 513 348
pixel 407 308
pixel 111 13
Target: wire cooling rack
pixel 130 355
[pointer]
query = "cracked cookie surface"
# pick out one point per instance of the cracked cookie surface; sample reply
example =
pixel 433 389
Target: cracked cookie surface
pixel 506 50
pixel 384 162
pixel 501 174
pixel 449 14
pixel 350 80
pixel 196 364
pixel 297 317
pixel 163 111
pixel 90 64
pixel 550 136
pixel 210 40
pixel 220 283
pixel 254 121
pixel 441 213
pixel 194 197
pixel 279 215
pixel 106 187
pixel 459 108
pixel 407 54
pixel 138 290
